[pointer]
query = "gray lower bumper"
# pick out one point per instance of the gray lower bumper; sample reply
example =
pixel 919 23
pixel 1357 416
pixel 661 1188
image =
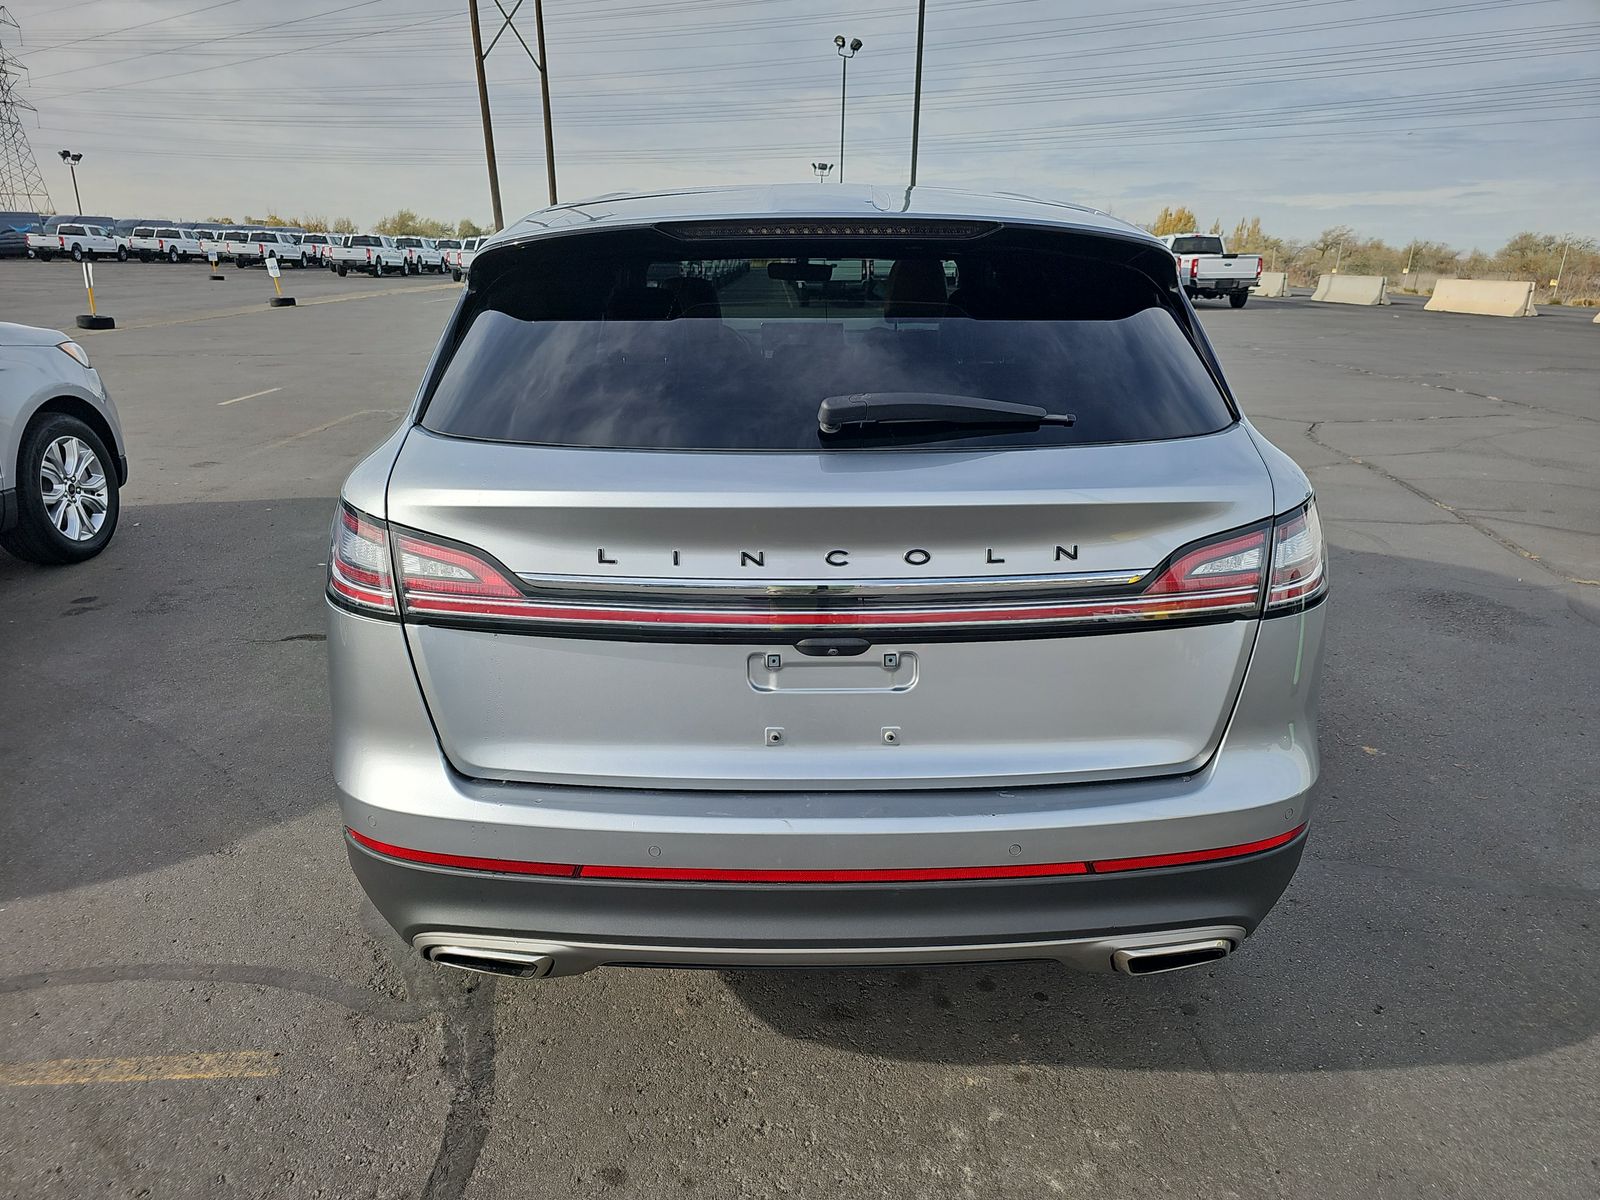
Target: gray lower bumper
pixel 814 924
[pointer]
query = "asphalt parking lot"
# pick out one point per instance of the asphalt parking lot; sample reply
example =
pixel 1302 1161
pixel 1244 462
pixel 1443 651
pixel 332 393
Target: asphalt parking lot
pixel 1419 1018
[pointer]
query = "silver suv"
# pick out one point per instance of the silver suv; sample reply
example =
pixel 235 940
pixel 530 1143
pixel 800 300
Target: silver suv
pixel 955 614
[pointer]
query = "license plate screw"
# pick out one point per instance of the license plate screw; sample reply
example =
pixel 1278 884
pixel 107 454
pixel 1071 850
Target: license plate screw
pixel 774 662
pixel 891 735
pixel 774 735
pixel 891 661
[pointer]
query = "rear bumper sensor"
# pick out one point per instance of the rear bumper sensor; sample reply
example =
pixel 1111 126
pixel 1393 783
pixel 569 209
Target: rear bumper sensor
pixel 852 875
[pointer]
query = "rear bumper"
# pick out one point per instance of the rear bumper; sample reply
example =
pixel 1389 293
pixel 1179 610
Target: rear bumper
pixel 581 923
pixel 395 787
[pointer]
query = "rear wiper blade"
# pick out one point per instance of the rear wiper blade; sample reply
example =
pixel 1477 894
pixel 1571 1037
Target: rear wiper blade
pixel 929 408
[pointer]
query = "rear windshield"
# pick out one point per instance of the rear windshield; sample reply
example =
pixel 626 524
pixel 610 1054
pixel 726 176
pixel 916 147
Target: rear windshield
pixel 169 233
pixel 144 231
pixel 364 240
pixel 1197 245
pixel 634 341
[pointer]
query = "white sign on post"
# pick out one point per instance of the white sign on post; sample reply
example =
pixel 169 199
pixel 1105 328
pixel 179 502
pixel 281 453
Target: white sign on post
pixel 272 268
pixel 88 276
pixel 213 257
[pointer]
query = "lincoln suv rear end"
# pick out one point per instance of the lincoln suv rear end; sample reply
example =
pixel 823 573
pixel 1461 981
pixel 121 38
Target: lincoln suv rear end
pixel 800 576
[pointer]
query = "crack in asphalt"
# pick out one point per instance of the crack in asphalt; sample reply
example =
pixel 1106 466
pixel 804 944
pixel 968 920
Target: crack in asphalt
pixel 466 1021
pixel 1472 523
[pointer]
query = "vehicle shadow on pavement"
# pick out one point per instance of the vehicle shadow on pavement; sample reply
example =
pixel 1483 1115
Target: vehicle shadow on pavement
pixel 166 699
pixel 1445 912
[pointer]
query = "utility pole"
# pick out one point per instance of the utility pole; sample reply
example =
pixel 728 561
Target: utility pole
pixel 483 105
pixel 1555 284
pixel 540 62
pixel 22 186
pixel 916 94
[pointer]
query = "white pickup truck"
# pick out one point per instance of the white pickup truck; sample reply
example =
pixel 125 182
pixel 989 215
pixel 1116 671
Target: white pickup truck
pixel 150 242
pixel 259 245
pixel 77 242
pixel 422 254
pixel 1206 268
pixel 374 253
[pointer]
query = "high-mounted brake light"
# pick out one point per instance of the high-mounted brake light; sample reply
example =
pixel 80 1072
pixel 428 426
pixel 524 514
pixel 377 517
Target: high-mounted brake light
pixel 359 575
pixel 1299 560
pixel 825 227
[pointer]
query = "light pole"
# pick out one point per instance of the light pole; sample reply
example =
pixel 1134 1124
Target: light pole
pixel 916 94
pixel 844 80
pixel 822 169
pixel 72 160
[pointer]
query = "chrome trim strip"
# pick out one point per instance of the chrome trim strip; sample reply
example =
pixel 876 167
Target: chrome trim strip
pixel 955 587
pixel 572 958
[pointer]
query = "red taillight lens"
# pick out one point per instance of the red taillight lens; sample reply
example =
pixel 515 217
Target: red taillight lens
pixel 1219 574
pixel 1258 266
pixel 447 580
pixel 1299 560
pixel 359 575
pixel 1194 267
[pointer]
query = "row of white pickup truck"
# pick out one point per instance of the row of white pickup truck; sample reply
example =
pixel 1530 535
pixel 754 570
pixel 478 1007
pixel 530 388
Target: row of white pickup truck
pixel 371 253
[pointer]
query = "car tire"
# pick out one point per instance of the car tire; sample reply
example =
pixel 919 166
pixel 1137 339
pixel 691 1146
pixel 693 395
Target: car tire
pixel 172 255
pixel 377 269
pixel 456 275
pixel 1237 299
pixel 39 536
pixel 343 270
pixel 122 254
pixel 44 257
pixel 77 254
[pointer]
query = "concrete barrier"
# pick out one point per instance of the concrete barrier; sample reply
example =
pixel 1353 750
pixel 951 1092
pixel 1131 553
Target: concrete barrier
pixel 1351 289
pixel 1596 320
pixel 1273 285
pixel 1486 297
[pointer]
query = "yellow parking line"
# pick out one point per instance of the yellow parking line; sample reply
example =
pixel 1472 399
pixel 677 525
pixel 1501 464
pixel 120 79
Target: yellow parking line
pixel 56 1072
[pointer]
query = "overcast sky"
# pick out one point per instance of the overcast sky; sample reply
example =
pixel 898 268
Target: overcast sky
pixel 1462 121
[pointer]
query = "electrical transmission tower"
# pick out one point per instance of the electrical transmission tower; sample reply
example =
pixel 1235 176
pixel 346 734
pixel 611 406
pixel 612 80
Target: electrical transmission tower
pixel 21 185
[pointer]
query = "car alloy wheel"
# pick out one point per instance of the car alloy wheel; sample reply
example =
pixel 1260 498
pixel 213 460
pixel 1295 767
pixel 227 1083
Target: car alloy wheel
pixel 73 486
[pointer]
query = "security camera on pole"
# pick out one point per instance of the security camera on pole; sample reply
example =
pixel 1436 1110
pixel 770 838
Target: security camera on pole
pixel 92 319
pixel 844 79
pixel 275 271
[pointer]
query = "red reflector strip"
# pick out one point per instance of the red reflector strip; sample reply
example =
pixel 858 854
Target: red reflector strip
pixel 466 862
pixel 1103 866
pixel 1145 862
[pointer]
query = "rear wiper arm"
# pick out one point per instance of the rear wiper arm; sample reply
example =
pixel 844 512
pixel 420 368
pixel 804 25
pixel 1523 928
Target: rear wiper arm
pixel 929 408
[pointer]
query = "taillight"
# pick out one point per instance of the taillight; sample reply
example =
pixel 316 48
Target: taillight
pixel 359 575
pixel 1299 560
pixel 1217 575
pixel 1258 266
pixel 1194 267
pixel 449 581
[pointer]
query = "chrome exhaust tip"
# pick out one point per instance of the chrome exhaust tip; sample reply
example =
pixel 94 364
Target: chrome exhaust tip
pixel 513 963
pixel 1173 956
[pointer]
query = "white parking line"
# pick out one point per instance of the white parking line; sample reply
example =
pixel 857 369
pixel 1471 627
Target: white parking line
pixel 251 396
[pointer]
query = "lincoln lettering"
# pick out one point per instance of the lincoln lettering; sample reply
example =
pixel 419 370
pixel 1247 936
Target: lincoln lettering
pixel 916 556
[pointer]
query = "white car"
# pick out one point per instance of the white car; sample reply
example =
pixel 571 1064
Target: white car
pixel 423 254
pixel 62 457
pixel 374 253
pixel 164 241
pixel 77 242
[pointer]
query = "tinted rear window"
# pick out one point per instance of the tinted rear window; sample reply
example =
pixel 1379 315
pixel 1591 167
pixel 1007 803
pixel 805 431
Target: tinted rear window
pixel 364 240
pixel 1197 245
pixel 635 342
